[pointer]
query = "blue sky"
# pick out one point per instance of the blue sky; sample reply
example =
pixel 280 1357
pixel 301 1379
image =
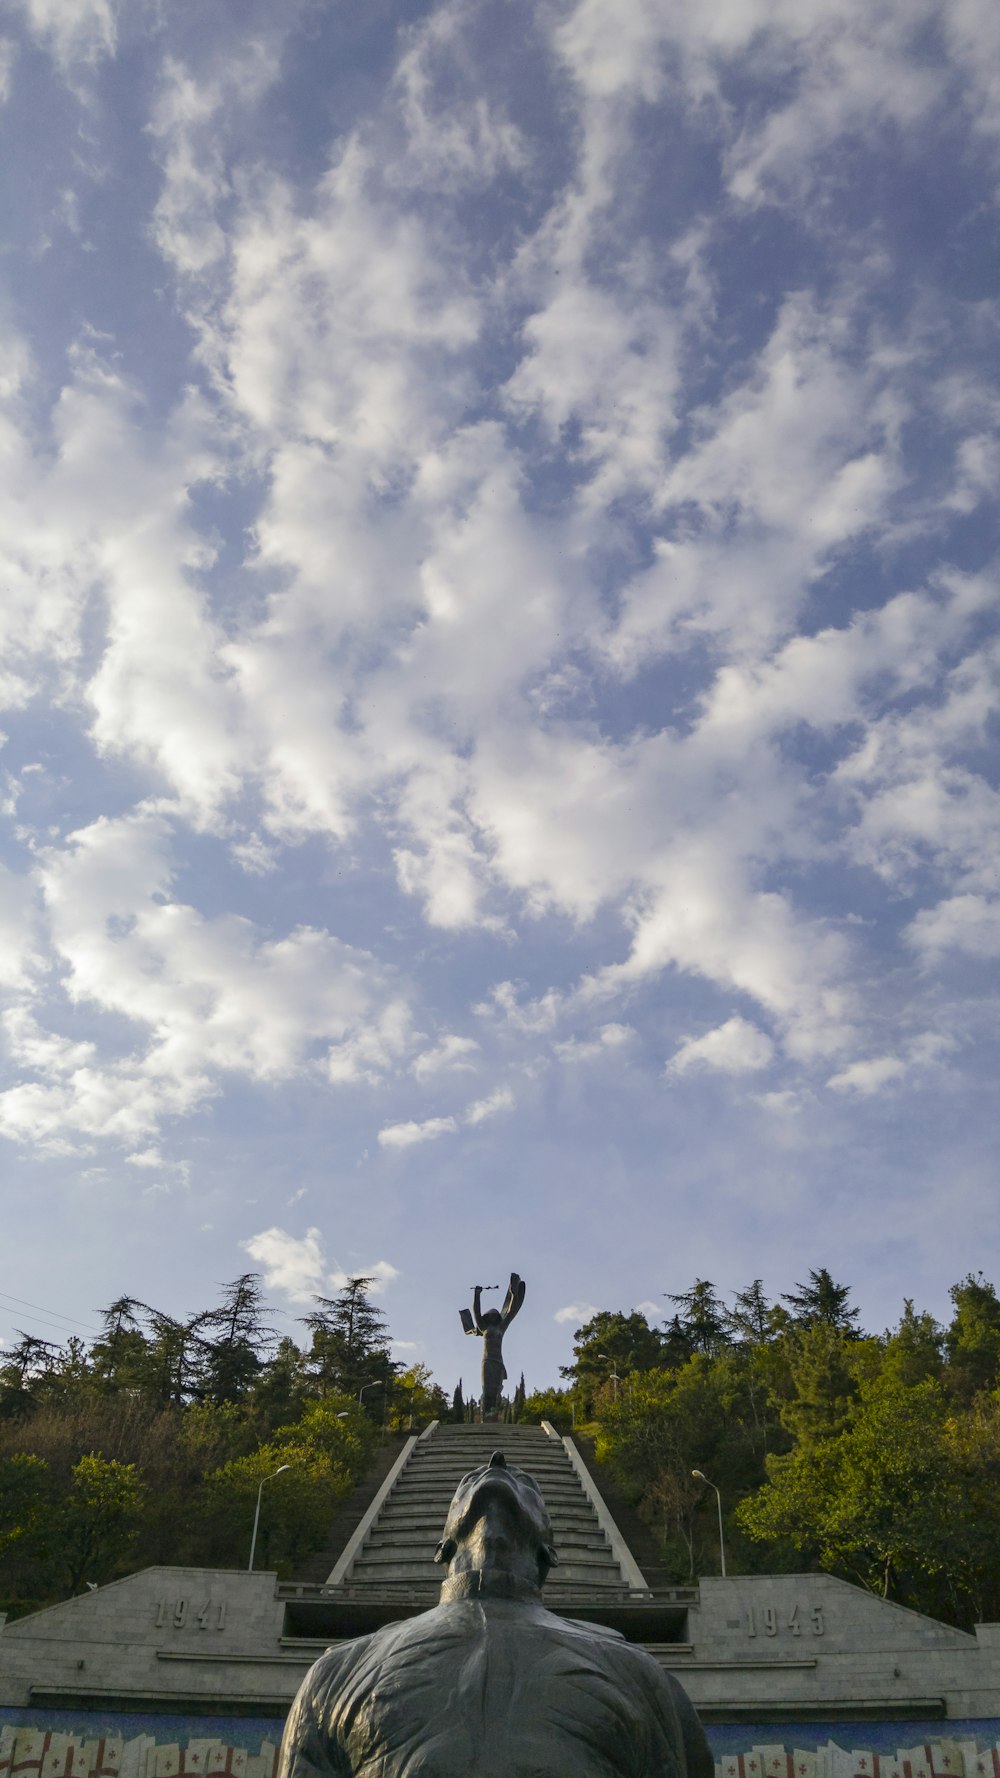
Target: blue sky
pixel 499 653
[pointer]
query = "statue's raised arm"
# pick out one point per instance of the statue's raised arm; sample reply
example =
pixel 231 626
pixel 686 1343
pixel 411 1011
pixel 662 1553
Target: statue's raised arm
pixel 513 1300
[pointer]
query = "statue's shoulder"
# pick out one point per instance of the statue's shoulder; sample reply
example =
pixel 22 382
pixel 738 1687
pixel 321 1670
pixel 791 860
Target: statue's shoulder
pixel 595 1632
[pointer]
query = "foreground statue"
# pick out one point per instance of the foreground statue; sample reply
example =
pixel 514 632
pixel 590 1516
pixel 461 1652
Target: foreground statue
pixel 489 1684
pixel 493 1324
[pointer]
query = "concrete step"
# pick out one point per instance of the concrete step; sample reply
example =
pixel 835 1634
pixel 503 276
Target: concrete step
pixel 398 1550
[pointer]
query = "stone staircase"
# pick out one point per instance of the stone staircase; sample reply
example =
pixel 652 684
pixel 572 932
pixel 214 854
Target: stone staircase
pixel 396 1557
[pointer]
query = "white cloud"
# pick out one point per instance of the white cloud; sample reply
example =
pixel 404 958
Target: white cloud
pixel 7 57
pixel 452 142
pixel 202 997
pixel 481 1109
pixel 969 923
pixel 451 1054
pixel 405 1135
pixel 576 1312
pixel 868 1076
pixel 381 1272
pixel 294 1266
pixel 609 1038
pixel 77 33
pixel 737 1047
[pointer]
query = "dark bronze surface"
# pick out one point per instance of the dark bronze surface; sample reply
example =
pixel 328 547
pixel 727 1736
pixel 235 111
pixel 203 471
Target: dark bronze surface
pixel 489 1684
pixel 493 1324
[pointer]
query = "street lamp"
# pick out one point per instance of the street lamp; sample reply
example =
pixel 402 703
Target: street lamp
pixel 364 1386
pixel 718 1500
pixel 615 1378
pixel 256 1517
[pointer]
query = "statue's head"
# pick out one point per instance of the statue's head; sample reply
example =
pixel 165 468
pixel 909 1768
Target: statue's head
pixel 503 1507
pixel 490 1318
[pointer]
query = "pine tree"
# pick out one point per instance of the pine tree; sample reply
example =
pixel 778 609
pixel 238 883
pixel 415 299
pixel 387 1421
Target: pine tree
pixel 458 1405
pixel 118 1356
pixel 750 1320
pixel 350 1345
pixel 823 1301
pixel 233 1359
pixel 703 1318
pixel 520 1394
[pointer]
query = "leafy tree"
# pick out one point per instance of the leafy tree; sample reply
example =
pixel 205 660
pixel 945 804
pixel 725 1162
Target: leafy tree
pixel 753 1320
pixel 972 1339
pixel 823 1387
pixel 823 1302
pixel 875 1500
pixel 913 1352
pixel 297 1506
pixel 94 1526
pixel 416 1399
pixel 23 1497
pixel 554 1405
pixel 610 1341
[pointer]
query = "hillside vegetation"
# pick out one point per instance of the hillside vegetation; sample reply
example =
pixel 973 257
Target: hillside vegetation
pixel 150 1445
pixel 875 1457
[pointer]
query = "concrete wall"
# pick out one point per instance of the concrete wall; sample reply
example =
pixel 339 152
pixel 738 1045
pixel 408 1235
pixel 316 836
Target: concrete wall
pixel 812 1644
pixel 758 1649
pixel 167 1632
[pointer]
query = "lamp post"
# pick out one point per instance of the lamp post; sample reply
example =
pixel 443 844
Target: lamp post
pixel 256 1517
pixel 364 1386
pixel 614 1377
pixel 718 1501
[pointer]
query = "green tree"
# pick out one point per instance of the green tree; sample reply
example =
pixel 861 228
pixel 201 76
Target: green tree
pixel 824 1303
pixel 554 1405
pixel 23 1374
pixel 703 1318
pixel 610 1340
pixel 233 1357
pixel 416 1399
pixel 282 1387
pixel 972 1339
pixel 750 1321
pixel 822 1383
pixel 119 1357
pixel 95 1524
pixel 349 1339
pixel 875 1500
pixel 23 1497
pixel 913 1350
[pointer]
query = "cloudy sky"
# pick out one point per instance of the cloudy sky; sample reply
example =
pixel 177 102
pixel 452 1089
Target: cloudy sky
pixel 499 645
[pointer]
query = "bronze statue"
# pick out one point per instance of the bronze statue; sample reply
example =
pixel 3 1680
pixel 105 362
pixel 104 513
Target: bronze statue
pixel 493 1324
pixel 489 1684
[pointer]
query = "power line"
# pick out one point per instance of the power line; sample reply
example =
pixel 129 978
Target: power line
pixel 52 1316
